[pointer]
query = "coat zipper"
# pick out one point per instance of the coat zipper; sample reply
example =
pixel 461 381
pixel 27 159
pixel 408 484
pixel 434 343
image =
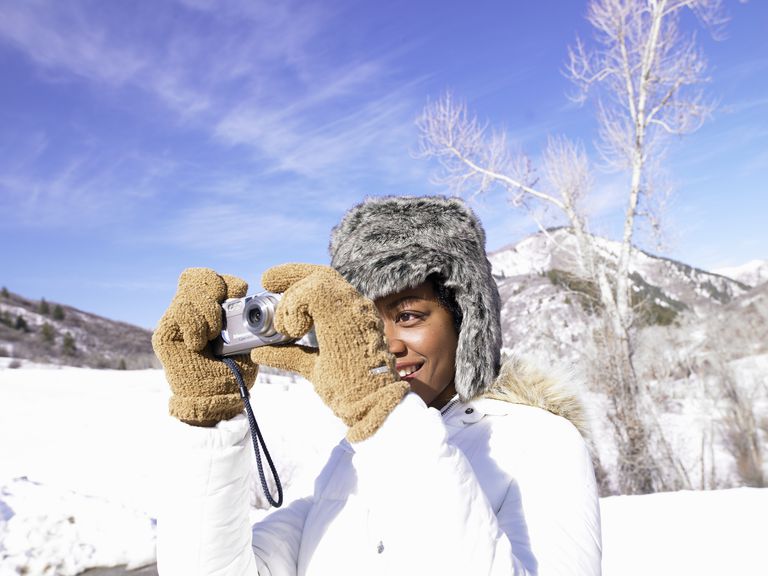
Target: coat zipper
pixel 447 408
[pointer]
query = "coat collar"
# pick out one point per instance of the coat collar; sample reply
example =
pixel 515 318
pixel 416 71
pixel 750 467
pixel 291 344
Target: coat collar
pixel 520 382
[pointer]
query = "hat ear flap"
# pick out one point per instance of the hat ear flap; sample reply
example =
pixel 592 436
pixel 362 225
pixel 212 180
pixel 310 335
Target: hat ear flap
pixel 478 355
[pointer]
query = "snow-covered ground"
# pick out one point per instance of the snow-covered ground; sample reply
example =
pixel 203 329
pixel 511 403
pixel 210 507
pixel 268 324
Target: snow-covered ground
pixel 701 533
pixel 80 452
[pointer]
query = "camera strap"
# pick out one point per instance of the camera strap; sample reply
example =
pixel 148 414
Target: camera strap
pixel 258 439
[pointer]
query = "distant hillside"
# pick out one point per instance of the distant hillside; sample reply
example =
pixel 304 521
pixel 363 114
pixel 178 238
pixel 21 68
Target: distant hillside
pixel 49 332
pixel 549 304
pixel 753 273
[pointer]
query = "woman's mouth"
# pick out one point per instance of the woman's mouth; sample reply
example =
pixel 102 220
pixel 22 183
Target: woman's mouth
pixel 406 372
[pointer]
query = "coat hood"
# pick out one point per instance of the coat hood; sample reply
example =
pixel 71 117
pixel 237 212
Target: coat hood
pixel 521 382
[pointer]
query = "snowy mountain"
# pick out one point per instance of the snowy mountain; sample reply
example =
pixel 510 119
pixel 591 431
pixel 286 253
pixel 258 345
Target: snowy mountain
pixel 679 283
pixel 753 273
pixel 548 303
pixel 48 332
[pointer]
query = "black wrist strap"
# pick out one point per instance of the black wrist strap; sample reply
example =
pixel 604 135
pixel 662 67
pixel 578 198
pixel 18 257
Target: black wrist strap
pixel 258 439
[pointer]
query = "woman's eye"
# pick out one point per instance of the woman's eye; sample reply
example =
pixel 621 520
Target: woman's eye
pixel 407 317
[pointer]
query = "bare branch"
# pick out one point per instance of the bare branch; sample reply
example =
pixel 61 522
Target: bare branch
pixel 473 162
pixel 567 170
pixel 584 71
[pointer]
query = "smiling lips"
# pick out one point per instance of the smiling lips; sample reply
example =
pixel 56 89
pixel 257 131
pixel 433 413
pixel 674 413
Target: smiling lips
pixel 406 371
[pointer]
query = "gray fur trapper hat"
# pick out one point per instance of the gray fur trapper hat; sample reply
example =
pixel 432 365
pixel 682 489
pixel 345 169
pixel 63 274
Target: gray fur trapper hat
pixel 389 244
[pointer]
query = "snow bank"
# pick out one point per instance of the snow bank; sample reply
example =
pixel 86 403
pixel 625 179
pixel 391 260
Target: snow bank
pixel 702 533
pixel 49 530
pixel 77 468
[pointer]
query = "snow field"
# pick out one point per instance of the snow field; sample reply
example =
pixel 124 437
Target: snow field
pixel 702 533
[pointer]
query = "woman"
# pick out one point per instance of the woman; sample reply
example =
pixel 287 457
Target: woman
pixel 451 465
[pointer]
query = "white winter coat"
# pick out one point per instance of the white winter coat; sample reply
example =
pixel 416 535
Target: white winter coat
pixel 487 487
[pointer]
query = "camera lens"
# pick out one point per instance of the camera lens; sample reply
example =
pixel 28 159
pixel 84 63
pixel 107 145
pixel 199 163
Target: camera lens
pixel 258 315
pixel 254 316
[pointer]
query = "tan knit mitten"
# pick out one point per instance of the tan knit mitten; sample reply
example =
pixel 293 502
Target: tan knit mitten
pixel 352 370
pixel 204 389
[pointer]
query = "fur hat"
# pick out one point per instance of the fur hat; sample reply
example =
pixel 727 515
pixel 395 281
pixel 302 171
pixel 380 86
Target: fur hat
pixel 388 244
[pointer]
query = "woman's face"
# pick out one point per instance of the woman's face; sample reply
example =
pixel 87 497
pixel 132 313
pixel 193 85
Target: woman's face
pixel 423 339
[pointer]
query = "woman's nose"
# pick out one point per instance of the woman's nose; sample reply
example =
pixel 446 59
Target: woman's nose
pixel 395 344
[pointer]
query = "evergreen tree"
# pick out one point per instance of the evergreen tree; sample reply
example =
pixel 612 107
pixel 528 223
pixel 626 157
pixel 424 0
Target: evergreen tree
pixel 43 308
pixel 58 312
pixel 5 292
pixel 5 318
pixel 68 345
pixel 122 365
pixel 47 333
pixel 21 324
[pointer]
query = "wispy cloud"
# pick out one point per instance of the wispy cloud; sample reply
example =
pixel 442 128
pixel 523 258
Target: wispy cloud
pixel 190 64
pixel 171 54
pixel 60 36
pixel 252 76
pixel 304 139
pixel 89 188
pixel 239 231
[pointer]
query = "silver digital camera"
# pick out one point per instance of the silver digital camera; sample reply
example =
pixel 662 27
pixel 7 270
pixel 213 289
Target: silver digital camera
pixel 249 323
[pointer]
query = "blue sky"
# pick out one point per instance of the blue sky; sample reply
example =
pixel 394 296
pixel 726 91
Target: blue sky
pixel 140 138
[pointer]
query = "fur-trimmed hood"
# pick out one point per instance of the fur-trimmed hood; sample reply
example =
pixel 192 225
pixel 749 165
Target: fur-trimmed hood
pixel 521 382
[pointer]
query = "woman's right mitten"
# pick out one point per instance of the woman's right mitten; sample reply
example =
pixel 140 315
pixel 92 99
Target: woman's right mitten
pixel 204 389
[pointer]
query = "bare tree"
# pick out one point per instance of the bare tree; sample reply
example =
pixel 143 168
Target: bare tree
pixel 645 77
pixel 741 429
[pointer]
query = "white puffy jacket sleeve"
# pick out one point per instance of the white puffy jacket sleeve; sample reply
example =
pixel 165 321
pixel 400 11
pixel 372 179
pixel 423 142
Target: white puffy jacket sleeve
pixel 203 525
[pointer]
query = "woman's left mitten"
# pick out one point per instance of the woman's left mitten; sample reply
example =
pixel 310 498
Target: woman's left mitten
pixel 352 370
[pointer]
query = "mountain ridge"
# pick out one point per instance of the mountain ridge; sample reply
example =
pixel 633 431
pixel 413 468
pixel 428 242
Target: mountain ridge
pixel 549 306
pixel 54 333
pixel 752 273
